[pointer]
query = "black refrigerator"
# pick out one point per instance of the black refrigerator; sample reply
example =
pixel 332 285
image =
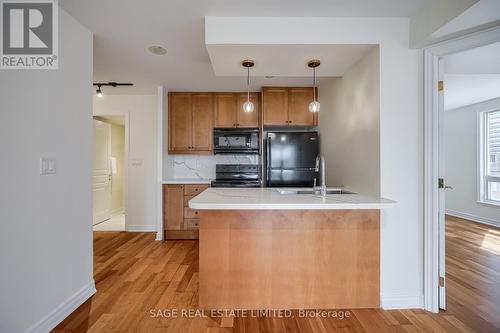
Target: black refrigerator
pixel 291 159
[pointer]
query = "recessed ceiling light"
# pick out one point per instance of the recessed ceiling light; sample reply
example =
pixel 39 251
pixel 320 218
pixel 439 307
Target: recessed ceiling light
pixel 157 49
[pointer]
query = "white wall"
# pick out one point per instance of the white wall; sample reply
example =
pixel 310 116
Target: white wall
pixel 141 179
pixel 401 226
pixel 46 221
pixel 461 166
pixel 349 124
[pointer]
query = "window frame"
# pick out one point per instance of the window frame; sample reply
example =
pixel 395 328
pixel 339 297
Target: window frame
pixel 483 178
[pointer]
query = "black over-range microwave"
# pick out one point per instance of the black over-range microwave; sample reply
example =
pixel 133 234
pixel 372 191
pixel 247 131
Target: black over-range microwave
pixel 236 140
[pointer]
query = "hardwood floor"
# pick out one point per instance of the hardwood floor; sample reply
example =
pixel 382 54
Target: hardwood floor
pixel 135 274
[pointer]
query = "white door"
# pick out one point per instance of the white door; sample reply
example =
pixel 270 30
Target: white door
pixel 101 177
pixel 442 187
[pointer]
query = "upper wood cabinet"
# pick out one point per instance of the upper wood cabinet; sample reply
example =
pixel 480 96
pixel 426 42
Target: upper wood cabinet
pixel 225 110
pixel 190 123
pixel 202 120
pixel 179 122
pixel 229 110
pixel 275 105
pixel 285 106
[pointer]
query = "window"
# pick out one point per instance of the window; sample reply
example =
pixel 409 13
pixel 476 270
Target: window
pixel 490 158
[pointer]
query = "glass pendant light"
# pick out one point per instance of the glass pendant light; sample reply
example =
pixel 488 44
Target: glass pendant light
pixel 314 106
pixel 248 106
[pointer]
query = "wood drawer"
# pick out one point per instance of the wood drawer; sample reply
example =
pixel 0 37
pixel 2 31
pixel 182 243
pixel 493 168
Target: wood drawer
pixel 194 189
pixel 191 223
pixel 190 213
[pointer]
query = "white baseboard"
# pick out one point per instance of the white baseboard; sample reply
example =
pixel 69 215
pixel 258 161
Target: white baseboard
pixel 50 321
pixel 401 301
pixel 474 218
pixel 159 236
pixel 142 228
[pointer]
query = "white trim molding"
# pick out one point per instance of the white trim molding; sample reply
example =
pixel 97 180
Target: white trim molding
pixel 401 301
pixel 142 228
pixel 53 319
pixel 432 54
pixel 161 130
pixel 474 218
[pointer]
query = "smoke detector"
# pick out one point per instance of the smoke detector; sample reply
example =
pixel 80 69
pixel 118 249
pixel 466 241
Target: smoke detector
pixel 157 49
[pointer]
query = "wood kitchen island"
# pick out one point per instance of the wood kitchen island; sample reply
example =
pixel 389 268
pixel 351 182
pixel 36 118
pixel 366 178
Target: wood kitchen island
pixel 263 250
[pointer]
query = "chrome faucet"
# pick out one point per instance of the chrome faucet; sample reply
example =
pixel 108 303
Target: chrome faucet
pixel 321 165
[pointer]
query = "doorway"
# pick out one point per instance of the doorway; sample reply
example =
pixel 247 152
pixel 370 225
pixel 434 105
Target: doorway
pixel 436 183
pixel 109 172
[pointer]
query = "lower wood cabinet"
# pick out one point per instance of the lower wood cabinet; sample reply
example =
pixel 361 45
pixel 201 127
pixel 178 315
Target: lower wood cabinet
pixel 180 221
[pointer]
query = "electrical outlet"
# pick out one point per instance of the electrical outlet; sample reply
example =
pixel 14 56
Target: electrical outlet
pixel 47 166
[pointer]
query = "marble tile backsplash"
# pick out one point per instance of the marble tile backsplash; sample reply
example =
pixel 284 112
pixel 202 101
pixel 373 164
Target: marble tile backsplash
pixel 201 166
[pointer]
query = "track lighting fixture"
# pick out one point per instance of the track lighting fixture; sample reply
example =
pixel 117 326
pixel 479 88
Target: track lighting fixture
pixel 109 84
pixel 99 91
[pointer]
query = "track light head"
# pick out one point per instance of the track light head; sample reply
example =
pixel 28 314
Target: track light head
pixel 99 91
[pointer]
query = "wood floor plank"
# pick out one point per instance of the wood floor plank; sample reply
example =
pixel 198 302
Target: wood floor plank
pixel 135 274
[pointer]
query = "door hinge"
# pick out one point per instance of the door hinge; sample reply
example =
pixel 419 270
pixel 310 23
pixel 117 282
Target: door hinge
pixel 441 281
pixel 440 85
pixel 440 182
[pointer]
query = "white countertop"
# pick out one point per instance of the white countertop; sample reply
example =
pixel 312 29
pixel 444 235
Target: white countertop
pixel 270 198
pixel 187 181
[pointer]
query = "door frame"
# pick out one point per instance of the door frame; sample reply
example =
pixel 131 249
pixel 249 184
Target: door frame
pixel 431 163
pixel 126 115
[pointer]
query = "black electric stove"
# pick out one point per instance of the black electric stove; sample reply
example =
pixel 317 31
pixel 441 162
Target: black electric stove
pixel 237 175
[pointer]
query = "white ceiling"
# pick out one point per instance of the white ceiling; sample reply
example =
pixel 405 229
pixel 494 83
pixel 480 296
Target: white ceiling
pixel 123 29
pixel 481 60
pixel 117 120
pixel 481 13
pixel 472 76
pixel 285 60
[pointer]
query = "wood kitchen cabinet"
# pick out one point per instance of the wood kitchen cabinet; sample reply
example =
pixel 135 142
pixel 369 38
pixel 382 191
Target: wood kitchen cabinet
pixel 180 221
pixel 288 106
pixel 275 105
pixel 225 110
pixel 190 123
pixel 229 110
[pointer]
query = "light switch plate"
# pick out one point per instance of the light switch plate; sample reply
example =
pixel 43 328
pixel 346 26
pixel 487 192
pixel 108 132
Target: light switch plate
pixel 47 166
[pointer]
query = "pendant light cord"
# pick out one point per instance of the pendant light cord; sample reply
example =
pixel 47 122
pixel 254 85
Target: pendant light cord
pixel 314 84
pixel 248 84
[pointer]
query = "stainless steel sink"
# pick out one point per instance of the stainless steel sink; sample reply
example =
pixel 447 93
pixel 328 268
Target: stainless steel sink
pixel 310 191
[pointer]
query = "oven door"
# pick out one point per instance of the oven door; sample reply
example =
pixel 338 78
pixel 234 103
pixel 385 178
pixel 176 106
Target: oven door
pixel 236 141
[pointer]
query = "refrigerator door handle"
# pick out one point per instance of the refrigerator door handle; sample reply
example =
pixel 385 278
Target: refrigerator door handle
pixel 268 159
